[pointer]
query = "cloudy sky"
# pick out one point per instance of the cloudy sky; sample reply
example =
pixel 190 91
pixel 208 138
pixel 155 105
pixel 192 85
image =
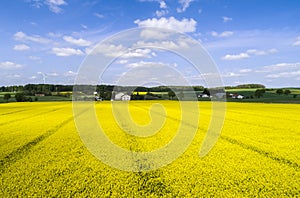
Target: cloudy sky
pixel 251 41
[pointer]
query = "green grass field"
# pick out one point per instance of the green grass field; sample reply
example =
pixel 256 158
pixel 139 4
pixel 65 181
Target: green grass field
pixel 257 154
pixel 268 97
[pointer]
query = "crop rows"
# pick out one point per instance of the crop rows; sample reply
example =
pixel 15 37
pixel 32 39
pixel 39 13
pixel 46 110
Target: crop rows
pixel 43 155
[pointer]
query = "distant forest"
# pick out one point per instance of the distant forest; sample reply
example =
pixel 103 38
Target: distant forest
pixel 107 91
pixel 48 89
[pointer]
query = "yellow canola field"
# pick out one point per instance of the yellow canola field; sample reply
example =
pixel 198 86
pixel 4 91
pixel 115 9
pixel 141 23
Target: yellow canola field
pixel 257 154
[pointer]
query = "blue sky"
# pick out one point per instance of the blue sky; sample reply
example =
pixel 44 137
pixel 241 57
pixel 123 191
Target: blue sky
pixel 251 41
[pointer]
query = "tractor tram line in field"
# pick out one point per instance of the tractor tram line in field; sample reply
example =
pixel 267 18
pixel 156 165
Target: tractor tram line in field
pixel 267 154
pixel 23 150
pixel 268 116
pixel 13 112
pixel 173 118
pixel 148 182
pixel 29 117
pixel 45 157
pixel 264 153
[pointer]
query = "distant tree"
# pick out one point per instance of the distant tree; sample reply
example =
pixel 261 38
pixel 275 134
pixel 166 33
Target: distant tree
pixel 171 94
pixel 279 91
pixel 7 96
pixel 295 96
pixel 249 86
pixel 20 97
pixel 198 88
pixel 2 89
pixel 259 93
pixel 181 95
pixel 287 92
pixel 206 91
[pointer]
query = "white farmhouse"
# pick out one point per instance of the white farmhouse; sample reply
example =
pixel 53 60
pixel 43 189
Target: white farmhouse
pixel 125 97
pixel 122 96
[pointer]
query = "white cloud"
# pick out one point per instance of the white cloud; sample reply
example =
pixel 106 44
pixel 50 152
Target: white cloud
pixel 138 53
pixel 235 56
pixel 33 77
pixel 273 50
pixel 285 74
pixel 34 58
pixel 123 61
pixel 148 64
pixel 222 34
pixel 9 65
pixel 66 51
pixel 226 19
pixel 182 43
pixel 21 36
pixel 160 13
pixel 245 70
pixel 53 74
pixel 54 5
pixel 99 15
pixel 70 73
pixel 185 25
pixel 84 26
pixel 162 5
pixel 79 42
pixel 109 50
pixel 230 74
pixel 36 3
pixel 280 66
pixel 21 47
pixel 150 34
pixel 184 5
pixel 261 52
pixel 14 76
pixel 54 35
pixel 248 53
pixel 297 42
pixel 162 44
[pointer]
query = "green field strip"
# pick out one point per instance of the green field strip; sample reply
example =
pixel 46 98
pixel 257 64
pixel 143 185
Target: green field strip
pixel 25 149
pixel 264 153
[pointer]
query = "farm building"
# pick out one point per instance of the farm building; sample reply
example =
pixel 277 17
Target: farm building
pixel 122 96
pixel 236 96
pixel 203 96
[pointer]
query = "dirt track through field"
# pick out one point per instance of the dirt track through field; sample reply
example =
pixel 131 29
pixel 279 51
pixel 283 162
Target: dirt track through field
pixel 262 152
pixel 22 151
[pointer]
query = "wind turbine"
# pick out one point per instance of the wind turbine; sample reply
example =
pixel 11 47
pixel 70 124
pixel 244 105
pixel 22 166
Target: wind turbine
pixel 44 76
